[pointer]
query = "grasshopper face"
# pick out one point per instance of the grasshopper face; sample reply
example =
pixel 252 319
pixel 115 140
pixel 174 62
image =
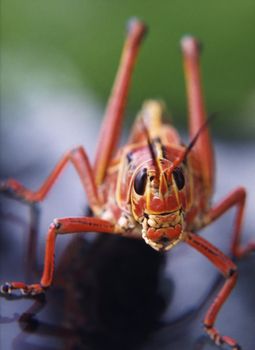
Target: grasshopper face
pixel 156 203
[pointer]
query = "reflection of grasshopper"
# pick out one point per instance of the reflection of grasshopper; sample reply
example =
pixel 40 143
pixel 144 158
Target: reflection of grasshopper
pixel 154 187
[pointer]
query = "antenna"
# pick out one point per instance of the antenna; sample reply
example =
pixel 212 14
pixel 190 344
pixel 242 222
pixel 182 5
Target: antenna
pixel 183 157
pixel 150 145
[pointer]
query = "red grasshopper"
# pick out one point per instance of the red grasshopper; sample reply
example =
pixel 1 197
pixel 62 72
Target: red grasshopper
pixel 153 188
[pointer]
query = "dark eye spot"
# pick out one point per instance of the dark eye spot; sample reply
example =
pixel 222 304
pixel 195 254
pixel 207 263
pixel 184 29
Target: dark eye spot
pixel 140 182
pixel 179 178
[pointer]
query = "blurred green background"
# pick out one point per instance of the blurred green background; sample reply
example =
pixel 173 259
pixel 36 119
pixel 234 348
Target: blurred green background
pixel 81 40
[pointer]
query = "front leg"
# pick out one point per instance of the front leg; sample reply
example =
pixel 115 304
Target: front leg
pixel 78 158
pixel 229 271
pixel 58 227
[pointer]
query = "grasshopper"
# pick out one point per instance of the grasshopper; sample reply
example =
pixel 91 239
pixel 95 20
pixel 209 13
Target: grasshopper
pixel 154 188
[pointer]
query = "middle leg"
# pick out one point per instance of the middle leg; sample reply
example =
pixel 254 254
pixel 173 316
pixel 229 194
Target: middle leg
pixel 78 158
pixel 235 199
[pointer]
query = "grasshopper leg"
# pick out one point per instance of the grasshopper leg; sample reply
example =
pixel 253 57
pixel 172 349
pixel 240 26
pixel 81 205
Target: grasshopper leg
pixel 58 227
pixel 111 127
pixel 79 159
pixel 229 271
pixel 197 113
pixel 235 199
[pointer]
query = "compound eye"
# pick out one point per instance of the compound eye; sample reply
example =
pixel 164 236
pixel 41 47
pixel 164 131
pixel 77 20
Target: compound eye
pixel 179 178
pixel 140 182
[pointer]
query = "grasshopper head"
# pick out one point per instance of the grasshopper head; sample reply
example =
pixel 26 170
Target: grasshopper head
pixel 160 190
pixel 157 200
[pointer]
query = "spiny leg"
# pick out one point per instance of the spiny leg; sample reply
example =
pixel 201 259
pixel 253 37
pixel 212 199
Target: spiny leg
pixel 229 271
pixel 79 159
pixel 235 199
pixel 58 227
pixel 197 112
pixel 111 126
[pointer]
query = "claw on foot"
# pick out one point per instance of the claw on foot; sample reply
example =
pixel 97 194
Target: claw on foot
pixel 10 185
pixel 26 290
pixel 14 189
pixel 220 340
pixel 6 288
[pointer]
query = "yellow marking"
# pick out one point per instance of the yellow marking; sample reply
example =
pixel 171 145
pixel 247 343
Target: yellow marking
pixel 176 191
pixel 151 113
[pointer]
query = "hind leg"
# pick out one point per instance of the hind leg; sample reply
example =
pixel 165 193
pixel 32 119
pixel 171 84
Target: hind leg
pixel 111 127
pixel 197 113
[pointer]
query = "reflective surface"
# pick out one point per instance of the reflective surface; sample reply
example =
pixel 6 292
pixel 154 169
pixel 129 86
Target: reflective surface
pixel 112 293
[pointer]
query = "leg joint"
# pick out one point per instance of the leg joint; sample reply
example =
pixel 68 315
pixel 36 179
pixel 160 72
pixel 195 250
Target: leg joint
pixel 232 272
pixel 207 326
pixel 76 149
pixel 56 224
